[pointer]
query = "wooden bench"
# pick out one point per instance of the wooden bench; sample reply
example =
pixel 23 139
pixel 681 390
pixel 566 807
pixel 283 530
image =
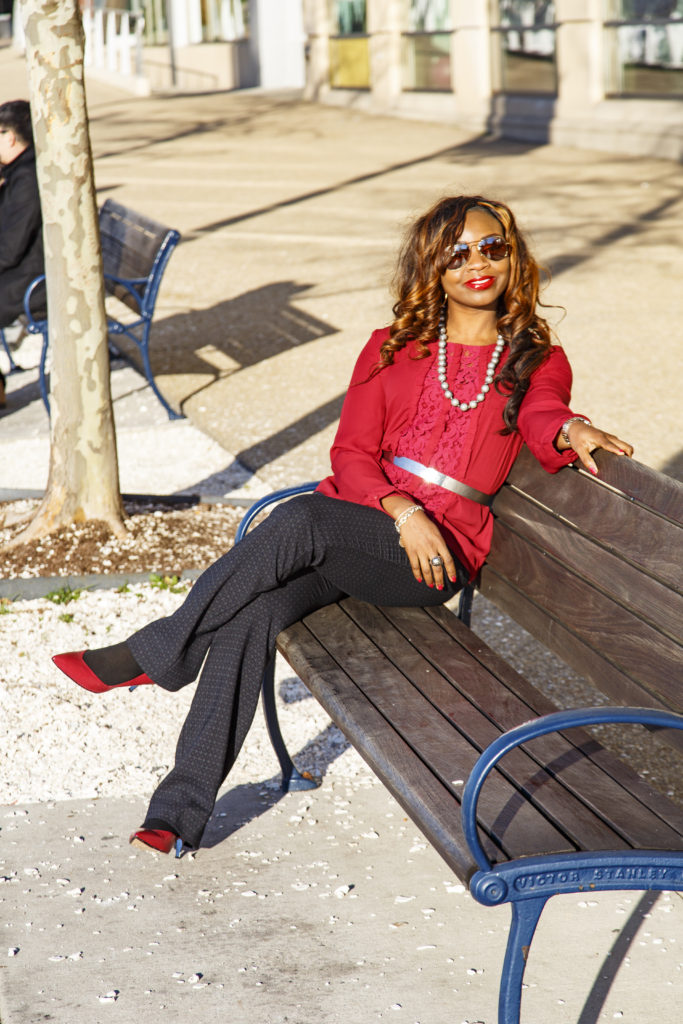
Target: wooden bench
pixel 592 568
pixel 135 251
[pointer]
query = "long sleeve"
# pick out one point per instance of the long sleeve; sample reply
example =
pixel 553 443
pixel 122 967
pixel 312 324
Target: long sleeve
pixel 357 449
pixel 545 408
pixel 20 216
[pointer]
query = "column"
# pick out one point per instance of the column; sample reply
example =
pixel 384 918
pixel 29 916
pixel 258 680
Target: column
pixel 186 16
pixel 316 30
pixel 17 27
pixel 471 61
pixel 277 32
pixel 579 56
pixel 384 28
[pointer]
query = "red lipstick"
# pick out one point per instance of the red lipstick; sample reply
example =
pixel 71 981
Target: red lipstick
pixel 480 284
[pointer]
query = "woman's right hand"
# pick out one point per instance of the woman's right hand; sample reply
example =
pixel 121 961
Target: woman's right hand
pixel 422 540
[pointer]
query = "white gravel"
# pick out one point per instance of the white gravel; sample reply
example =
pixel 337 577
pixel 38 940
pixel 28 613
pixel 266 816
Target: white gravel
pixel 60 742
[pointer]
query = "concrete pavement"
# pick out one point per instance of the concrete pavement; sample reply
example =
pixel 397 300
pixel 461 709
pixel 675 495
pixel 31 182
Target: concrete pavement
pixel 319 908
pixel 326 907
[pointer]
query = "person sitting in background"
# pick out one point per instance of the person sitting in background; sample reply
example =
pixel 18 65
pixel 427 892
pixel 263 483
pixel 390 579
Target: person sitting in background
pixel 21 223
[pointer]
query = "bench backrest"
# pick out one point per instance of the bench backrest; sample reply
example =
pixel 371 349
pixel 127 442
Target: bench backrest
pixel 134 247
pixel 593 568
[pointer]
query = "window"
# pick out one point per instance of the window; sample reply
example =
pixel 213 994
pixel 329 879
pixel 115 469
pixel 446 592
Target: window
pixel 524 46
pixel 349 52
pixel 426 46
pixel 348 17
pixel 224 19
pixel 207 20
pixel 644 45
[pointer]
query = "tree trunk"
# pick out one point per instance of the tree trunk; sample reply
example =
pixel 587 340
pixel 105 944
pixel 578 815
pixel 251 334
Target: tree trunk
pixel 83 476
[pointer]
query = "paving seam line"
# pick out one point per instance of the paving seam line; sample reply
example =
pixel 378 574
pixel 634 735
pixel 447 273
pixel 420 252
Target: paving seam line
pixel 11 494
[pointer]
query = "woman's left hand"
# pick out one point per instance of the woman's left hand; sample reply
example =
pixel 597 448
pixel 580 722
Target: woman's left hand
pixel 584 438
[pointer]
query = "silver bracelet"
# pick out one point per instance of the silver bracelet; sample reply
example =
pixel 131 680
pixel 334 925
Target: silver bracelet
pixel 404 516
pixel 564 430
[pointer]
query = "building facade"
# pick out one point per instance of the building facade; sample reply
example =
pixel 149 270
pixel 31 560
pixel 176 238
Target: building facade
pixel 604 74
pixel 190 45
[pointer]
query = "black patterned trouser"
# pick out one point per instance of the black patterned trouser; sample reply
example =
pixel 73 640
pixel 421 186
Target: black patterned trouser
pixel 309 552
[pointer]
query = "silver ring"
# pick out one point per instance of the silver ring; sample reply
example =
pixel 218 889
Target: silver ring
pixel 436 560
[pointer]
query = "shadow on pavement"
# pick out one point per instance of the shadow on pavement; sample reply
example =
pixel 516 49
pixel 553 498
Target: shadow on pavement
pixel 249 801
pixel 614 959
pixel 139 135
pixel 561 264
pixel 674 467
pixel 236 333
pixel 273 447
pixel 20 396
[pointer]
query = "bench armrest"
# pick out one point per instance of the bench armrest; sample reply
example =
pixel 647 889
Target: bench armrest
pixel 270 499
pixel 555 722
pixel 33 326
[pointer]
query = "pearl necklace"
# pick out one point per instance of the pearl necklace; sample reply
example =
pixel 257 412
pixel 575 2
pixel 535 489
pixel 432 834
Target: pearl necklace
pixel 490 370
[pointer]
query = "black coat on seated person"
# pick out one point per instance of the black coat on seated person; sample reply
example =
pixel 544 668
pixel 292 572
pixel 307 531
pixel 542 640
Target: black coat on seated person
pixel 21 236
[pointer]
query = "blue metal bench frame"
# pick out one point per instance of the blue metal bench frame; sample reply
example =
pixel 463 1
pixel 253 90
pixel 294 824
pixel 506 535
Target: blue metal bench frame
pixel 13 366
pixel 139 293
pixel 526 883
pixel 292 778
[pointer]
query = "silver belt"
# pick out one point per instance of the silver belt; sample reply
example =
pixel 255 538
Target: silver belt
pixel 433 476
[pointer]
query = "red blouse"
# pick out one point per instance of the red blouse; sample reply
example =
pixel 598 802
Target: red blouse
pixel 402 410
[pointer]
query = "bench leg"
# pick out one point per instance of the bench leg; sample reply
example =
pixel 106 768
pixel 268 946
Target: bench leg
pixel 292 778
pixel 144 351
pixel 42 379
pixel 525 915
pixel 13 367
pixel 143 347
pixel 465 605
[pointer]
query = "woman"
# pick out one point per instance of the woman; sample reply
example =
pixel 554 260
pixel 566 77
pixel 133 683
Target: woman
pixel 438 407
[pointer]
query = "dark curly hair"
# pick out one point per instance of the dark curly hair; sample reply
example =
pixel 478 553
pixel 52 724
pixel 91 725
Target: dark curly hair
pixel 16 115
pixel 421 263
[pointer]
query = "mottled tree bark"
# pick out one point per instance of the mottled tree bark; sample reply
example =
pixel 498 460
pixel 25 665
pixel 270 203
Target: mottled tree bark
pixel 83 476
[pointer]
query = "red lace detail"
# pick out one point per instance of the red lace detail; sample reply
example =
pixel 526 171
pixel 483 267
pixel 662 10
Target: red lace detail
pixel 441 436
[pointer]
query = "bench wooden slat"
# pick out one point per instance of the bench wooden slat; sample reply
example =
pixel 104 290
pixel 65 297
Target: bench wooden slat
pixel 589 789
pixel 606 570
pixel 582 657
pixel 387 628
pixel 400 632
pixel 427 801
pixel 652 490
pixel 635 534
pixel 639 486
pixel 649 658
pixel 512 821
pixel 130 244
pixel 626 777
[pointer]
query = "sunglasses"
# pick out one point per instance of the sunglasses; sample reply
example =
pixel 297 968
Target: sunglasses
pixel 493 247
